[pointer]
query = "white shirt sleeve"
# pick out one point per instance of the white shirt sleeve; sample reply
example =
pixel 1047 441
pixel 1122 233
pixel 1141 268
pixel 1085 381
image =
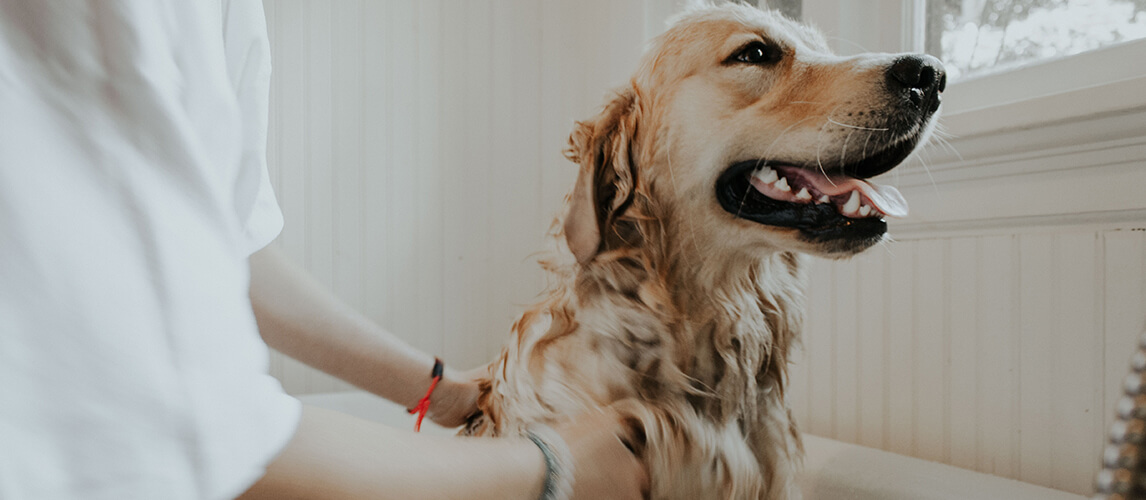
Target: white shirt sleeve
pixel 249 65
pixel 133 187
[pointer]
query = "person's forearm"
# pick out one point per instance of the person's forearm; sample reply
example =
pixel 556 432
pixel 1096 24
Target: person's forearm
pixel 334 456
pixel 298 317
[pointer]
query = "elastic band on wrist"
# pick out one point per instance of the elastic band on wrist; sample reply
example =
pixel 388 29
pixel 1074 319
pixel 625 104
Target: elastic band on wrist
pixel 423 405
pixel 558 462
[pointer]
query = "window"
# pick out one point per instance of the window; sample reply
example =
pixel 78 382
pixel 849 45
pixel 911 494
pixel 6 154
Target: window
pixel 790 8
pixel 978 37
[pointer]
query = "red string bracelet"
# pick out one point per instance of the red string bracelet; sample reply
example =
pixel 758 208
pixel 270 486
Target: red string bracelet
pixel 423 405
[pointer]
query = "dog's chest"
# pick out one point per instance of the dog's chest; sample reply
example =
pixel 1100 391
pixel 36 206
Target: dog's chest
pixel 717 352
pixel 621 354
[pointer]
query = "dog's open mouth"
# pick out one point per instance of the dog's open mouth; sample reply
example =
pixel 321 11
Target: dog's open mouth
pixel 822 206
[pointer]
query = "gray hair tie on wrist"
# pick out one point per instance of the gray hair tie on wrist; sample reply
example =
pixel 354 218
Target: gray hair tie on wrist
pixel 558 462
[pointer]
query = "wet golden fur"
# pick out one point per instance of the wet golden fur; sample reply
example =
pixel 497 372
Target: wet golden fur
pixel 666 306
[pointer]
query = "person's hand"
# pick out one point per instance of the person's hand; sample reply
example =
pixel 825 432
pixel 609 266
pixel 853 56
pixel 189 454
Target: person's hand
pixel 603 467
pixel 455 398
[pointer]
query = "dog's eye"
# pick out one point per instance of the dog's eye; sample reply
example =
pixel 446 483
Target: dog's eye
pixel 757 53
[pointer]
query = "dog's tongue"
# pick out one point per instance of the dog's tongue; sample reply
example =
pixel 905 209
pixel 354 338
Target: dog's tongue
pixel 885 198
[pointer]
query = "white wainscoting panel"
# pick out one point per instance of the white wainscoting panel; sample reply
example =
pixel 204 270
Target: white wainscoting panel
pixel 999 353
pixel 416 151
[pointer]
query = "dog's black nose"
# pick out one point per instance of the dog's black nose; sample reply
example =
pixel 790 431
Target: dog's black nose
pixel 920 78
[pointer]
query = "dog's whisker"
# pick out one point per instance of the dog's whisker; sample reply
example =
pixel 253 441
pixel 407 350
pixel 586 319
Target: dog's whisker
pixel 863 154
pixel 768 150
pixel 946 144
pixel 923 162
pixel 819 143
pixel 886 244
pixel 763 161
pixel 923 154
pixel 844 150
pixel 857 127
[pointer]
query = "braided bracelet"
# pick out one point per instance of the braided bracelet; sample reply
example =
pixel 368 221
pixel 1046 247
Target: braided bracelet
pixel 423 406
pixel 558 462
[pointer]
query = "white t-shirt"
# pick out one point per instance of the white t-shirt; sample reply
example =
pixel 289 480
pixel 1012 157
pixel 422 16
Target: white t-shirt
pixel 133 187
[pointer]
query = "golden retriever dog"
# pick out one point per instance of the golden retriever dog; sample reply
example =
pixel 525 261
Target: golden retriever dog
pixel 740 146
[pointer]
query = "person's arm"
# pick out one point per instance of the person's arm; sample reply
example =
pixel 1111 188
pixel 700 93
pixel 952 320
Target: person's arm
pixel 298 317
pixel 337 457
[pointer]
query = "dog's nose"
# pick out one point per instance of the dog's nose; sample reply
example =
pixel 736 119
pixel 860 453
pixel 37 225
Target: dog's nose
pixel 921 77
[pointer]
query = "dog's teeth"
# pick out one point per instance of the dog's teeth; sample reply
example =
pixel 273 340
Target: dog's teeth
pixel 804 195
pixel 782 185
pixel 766 175
pixel 865 211
pixel 853 203
pixel 825 199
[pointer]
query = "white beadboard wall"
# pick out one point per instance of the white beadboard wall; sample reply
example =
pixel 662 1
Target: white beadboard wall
pixel 416 150
pixel 415 147
pixel 1000 353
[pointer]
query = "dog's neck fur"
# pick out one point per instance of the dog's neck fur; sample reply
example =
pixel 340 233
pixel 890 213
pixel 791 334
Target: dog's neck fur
pixel 732 320
pixel 736 315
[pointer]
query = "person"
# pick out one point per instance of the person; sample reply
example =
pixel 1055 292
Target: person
pixel 138 294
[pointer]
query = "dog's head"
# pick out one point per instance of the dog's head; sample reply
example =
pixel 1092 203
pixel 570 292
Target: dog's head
pixel 741 130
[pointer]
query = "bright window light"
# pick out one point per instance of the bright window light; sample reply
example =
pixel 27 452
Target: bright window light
pixel 977 37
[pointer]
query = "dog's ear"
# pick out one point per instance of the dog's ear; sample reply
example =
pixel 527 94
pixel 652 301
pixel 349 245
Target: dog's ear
pixel 605 184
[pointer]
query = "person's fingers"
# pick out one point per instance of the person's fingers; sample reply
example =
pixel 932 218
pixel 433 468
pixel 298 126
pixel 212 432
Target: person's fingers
pixel 454 401
pixel 633 441
pixel 459 396
pixel 640 474
pixel 643 478
pixel 633 434
pixel 605 466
